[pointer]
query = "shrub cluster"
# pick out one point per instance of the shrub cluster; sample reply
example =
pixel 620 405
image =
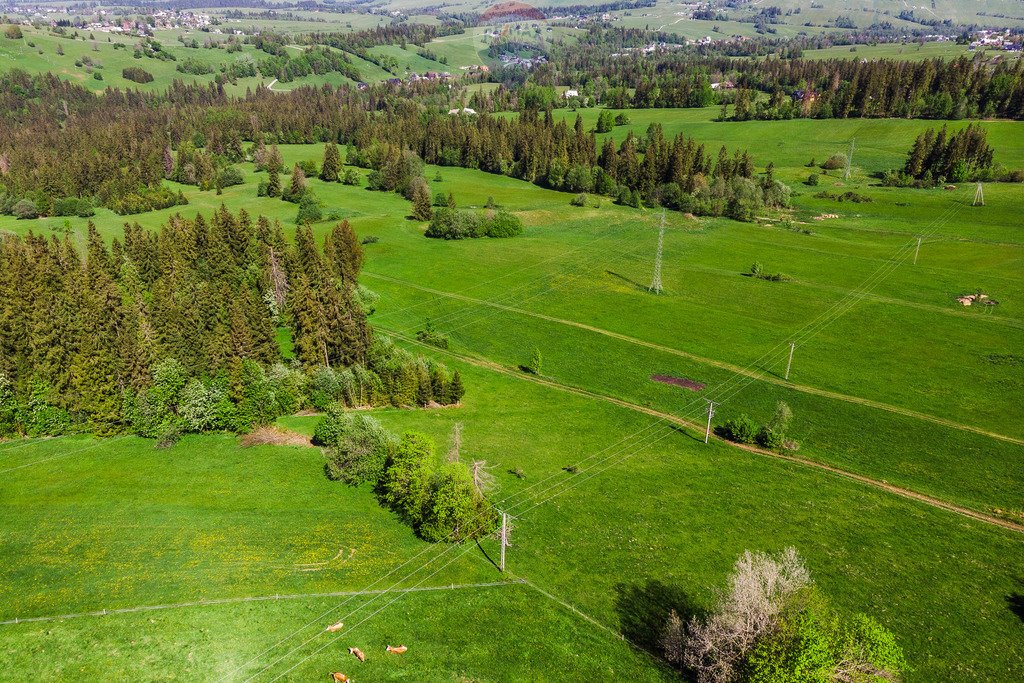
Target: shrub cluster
pixel 251 394
pixel 772 625
pixel 758 271
pixel 35 416
pixel 178 403
pixel 440 500
pixel 40 204
pixel 453 224
pixel 357 445
pixel 391 376
pixel 137 74
pixel 848 196
pixel 771 435
pixel 147 199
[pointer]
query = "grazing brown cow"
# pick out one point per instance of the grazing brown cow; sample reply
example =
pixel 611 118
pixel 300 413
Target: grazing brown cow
pixel 339 677
pixel 397 650
pixel 358 653
pixel 334 627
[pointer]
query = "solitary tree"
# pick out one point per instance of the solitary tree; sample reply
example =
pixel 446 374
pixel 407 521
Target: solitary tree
pixel 298 184
pixel 273 183
pixel 331 165
pixel 421 209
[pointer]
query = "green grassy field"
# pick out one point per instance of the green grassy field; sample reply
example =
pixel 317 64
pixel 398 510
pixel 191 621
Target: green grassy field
pixel 892 380
pixel 37 52
pixel 124 525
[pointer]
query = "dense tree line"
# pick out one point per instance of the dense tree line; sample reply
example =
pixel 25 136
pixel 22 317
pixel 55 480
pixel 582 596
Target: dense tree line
pixel 392 34
pixel 312 60
pixel 57 153
pixel 177 329
pixel 607 63
pixel 939 157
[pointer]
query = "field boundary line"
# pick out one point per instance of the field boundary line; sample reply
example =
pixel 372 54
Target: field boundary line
pixel 721 365
pixel 806 462
pixel 258 598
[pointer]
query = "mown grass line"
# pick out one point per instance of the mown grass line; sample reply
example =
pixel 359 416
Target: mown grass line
pixel 688 424
pixel 722 365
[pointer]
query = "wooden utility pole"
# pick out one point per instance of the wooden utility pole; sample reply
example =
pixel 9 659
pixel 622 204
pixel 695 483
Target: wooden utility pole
pixel 916 250
pixel 504 539
pixel 789 363
pixel 711 413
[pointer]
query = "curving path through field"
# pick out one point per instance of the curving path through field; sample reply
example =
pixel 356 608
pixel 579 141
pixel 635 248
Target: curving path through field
pixel 699 428
pixel 722 365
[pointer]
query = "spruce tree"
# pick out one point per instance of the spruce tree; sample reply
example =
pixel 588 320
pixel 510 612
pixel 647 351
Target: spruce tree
pixel 273 183
pixel 332 164
pixel 298 184
pixel 421 209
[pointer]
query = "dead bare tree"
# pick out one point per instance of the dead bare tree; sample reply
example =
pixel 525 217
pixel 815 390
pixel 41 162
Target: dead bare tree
pixel 455 449
pixel 673 638
pixel 759 587
pixel 483 480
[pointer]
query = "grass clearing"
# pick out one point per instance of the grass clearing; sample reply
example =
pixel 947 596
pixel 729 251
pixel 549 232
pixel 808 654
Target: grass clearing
pixel 652 511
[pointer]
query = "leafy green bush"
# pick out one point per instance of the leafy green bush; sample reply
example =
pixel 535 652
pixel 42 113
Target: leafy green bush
pixel 740 429
pixel 440 502
pixel 309 209
pixel 503 224
pixel 25 209
pixel 38 417
pixel 359 445
pixel 836 161
pixel 429 335
pixel 230 176
pixel 451 224
pixel 73 206
pixel 770 438
pixel 137 74
pixel 8 408
pixel 454 510
pixel 404 485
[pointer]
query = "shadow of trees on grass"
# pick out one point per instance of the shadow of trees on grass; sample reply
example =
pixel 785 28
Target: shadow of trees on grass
pixel 1015 600
pixel 643 610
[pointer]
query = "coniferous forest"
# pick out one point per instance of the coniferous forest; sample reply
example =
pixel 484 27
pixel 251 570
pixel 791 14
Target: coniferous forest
pixel 177 330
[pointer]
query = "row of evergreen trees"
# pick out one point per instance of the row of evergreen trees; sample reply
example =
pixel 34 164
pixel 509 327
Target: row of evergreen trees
pixel 51 153
pixel 88 333
pixel 965 87
pixel 938 157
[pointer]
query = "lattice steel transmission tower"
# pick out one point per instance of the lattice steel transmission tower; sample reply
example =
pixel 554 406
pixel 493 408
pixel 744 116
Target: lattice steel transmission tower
pixel 849 157
pixel 656 280
pixel 979 197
